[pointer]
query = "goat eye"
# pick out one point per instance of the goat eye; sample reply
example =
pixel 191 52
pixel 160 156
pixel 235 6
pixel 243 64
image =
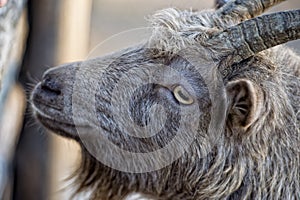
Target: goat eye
pixel 182 95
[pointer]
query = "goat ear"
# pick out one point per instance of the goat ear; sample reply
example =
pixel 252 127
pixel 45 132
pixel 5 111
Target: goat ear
pixel 244 103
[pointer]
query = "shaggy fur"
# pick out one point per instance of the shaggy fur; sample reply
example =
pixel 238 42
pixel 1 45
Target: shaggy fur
pixel 259 161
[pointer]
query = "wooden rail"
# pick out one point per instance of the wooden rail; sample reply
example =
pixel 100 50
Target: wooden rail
pixel 12 100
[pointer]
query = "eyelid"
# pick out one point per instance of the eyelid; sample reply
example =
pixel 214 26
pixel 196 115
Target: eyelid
pixel 182 95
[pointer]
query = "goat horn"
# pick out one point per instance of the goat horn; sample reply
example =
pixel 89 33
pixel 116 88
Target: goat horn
pixel 258 34
pixel 243 9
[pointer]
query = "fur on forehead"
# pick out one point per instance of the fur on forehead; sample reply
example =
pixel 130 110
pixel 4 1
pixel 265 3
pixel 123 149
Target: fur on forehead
pixel 174 30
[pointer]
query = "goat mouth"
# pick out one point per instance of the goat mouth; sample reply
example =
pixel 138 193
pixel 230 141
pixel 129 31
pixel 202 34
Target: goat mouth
pixel 60 127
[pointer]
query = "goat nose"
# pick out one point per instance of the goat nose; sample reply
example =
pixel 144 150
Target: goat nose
pixel 51 84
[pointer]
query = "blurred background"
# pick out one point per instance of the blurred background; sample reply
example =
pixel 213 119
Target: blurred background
pixel 49 33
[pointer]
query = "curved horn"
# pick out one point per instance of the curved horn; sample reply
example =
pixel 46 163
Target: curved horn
pixel 220 3
pixel 258 34
pixel 246 9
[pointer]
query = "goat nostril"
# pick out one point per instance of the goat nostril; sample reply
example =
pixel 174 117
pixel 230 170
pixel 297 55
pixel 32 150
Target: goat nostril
pixel 46 88
pixel 50 85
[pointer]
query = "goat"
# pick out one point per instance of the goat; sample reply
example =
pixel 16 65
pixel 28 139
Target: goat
pixel 206 108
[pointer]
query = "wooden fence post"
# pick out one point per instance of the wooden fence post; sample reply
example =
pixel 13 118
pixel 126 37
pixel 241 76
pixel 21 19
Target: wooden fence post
pixel 12 101
pixel 32 163
pixel 51 39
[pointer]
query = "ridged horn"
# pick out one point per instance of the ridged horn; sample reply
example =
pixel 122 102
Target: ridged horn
pixel 252 36
pixel 220 3
pixel 246 9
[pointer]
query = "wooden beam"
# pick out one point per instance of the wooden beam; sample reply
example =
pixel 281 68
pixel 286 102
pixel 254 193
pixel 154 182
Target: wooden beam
pixel 12 101
pixel 10 126
pixel 32 159
pixel 59 32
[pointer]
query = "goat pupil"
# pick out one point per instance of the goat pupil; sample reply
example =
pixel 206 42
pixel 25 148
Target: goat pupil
pixel 185 98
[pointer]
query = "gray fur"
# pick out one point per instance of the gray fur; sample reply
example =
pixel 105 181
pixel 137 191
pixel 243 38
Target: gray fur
pixel 259 161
